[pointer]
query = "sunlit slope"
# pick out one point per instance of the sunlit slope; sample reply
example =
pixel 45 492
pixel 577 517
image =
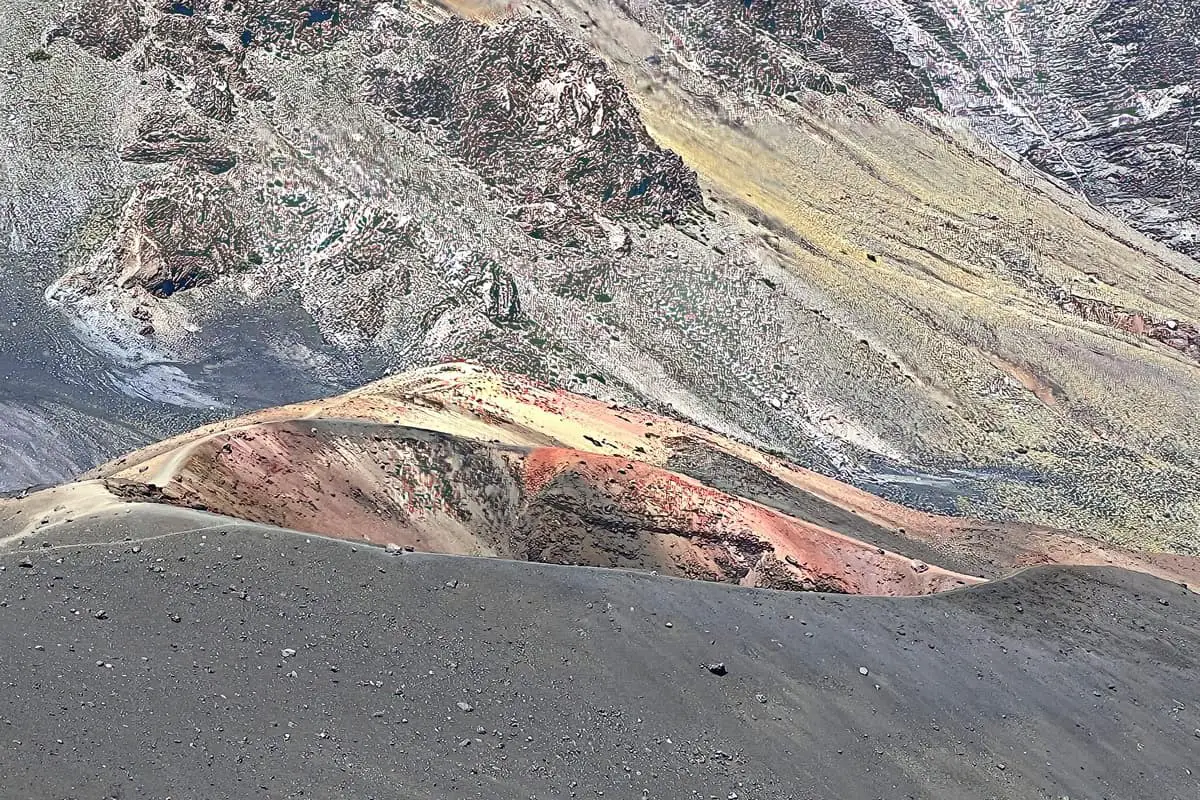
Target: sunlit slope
pixel 936 289
pixel 458 458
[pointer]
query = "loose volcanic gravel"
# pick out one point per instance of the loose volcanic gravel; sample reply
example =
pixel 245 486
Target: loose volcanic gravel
pixel 241 661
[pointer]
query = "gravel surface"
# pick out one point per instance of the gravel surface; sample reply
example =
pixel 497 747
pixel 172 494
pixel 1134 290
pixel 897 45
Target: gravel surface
pixel 241 661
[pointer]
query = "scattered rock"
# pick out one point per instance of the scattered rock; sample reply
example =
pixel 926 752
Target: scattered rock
pixel 287 652
pixel 466 708
pixel 864 671
pixel 717 668
pixel 101 614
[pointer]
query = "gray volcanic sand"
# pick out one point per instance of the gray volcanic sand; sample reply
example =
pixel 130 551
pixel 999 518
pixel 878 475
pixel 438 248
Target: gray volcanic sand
pixel 1052 683
pixel 65 408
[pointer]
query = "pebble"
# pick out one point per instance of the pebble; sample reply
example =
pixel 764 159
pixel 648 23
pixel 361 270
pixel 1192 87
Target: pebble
pixel 466 708
pixel 287 652
pixel 101 614
pixel 717 668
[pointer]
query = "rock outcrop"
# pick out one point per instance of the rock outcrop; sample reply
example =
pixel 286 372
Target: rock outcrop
pixel 163 138
pixel 177 233
pixel 534 111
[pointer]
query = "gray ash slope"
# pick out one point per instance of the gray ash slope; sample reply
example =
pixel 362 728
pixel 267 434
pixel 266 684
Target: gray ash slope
pixel 146 660
pixel 67 405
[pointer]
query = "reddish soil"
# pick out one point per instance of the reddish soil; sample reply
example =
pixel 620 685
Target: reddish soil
pixel 460 459
pixel 439 493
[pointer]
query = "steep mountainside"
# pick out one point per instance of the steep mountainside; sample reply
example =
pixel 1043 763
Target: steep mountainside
pixel 1101 94
pixel 234 205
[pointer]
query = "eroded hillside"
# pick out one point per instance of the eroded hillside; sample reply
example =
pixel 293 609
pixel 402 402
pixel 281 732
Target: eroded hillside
pixel 860 286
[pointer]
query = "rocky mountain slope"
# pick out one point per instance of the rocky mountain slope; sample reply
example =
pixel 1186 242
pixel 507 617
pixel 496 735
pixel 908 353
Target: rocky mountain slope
pixel 269 202
pixel 1100 94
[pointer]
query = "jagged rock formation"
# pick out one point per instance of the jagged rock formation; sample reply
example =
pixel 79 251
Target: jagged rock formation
pixel 1100 93
pixel 109 28
pixel 162 138
pixel 779 47
pixel 178 232
pixel 531 109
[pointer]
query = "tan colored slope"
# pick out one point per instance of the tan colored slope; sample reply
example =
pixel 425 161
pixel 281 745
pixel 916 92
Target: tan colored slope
pixel 472 403
pixel 955 304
